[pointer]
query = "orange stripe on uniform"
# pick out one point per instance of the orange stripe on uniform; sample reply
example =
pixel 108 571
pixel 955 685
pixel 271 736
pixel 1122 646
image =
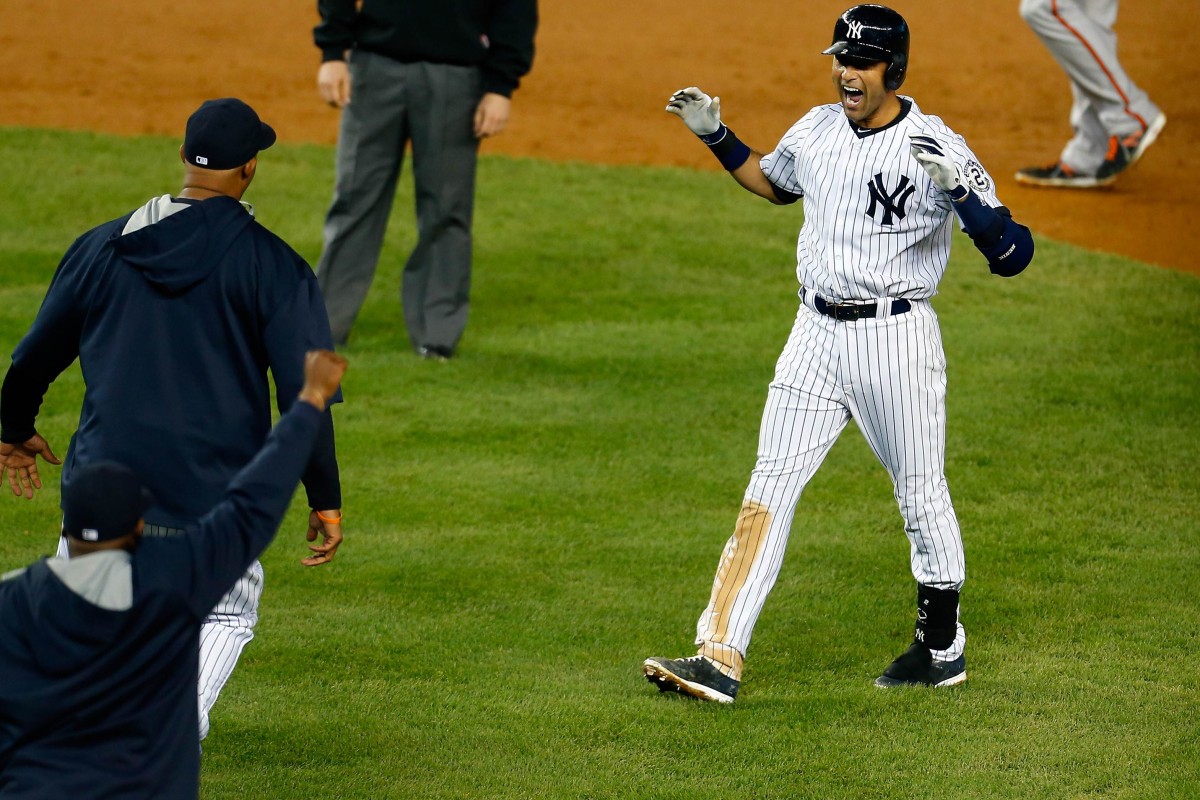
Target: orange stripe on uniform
pixel 1104 69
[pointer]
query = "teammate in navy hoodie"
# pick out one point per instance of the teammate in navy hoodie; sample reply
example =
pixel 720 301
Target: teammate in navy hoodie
pixel 176 312
pixel 99 652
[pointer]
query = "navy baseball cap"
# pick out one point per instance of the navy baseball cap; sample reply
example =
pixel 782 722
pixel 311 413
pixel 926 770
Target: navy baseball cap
pixel 103 500
pixel 225 133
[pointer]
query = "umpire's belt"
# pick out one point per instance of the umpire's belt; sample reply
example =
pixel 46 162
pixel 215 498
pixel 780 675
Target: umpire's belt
pixel 848 312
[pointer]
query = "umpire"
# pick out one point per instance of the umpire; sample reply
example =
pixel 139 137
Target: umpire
pixel 99 651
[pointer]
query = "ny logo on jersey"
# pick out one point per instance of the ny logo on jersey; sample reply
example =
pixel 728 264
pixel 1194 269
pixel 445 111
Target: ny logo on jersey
pixel 891 202
pixel 854 30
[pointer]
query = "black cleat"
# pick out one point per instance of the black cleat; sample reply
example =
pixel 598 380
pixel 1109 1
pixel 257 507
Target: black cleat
pixel 435 353
pixel 1123 153
pixel 916 667
pixel 1061 176
pixel 696 676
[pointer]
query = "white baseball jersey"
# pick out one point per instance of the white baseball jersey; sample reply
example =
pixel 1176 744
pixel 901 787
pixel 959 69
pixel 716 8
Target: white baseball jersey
pixel 856 184
pixel 876 230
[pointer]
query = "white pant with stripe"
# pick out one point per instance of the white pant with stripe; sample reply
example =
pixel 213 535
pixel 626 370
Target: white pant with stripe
pixel 889 375
pixel 1105 100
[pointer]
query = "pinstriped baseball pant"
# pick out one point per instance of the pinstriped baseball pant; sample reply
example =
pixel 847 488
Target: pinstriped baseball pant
pixel 889 375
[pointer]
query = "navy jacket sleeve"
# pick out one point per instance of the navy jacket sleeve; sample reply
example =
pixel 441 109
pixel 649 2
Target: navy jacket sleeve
pixel 296 324
pixel 511 29
pixel 48 348
pixel 228 538
pixel 335 34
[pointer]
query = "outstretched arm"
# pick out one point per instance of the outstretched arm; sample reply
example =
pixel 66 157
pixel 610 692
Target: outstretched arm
pixel 48 348
pixel 702 115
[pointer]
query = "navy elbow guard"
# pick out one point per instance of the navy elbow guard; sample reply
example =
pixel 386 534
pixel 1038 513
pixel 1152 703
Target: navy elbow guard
pixel 1012 253
pixel 1007 245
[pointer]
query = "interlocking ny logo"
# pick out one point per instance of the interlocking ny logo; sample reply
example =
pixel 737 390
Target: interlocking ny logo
pixel 892 202
pixel 855 31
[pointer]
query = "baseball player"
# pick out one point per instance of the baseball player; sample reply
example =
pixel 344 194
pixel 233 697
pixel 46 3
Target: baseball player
pixel 1114 120
pixel 882 184
pixel 99 650
pixel 176 312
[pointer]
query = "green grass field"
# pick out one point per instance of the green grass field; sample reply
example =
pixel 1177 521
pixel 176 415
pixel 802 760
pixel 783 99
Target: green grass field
pixel 527 523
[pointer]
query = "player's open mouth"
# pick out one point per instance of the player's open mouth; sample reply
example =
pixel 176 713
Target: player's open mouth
pixel 851 96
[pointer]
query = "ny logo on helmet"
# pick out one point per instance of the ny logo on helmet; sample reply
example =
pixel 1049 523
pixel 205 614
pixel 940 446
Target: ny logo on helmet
pixel 855 29
pixel 892 202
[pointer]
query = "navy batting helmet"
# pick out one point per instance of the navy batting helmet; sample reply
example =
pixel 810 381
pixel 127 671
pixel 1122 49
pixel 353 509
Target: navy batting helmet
pixel 873 33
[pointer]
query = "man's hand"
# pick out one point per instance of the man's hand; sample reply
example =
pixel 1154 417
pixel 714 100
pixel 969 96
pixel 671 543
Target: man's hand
pixel 333 82
pixel 323 371
pixel 19 462
pixel 941 168
pixel 701 113
pixel 491 115
pixel 328 525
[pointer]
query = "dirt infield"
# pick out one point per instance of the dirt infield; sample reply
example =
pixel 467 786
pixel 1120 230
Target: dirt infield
pixel 605 67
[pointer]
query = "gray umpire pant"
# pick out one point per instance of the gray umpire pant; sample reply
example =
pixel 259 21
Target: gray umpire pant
pixel 392 104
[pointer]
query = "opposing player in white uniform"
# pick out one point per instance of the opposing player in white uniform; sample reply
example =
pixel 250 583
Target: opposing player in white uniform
pixel 882 185
pixel 1114 120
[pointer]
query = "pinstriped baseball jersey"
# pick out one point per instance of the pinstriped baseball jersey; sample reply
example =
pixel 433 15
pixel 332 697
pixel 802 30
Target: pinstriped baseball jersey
pixel 876 231
pixel 875 225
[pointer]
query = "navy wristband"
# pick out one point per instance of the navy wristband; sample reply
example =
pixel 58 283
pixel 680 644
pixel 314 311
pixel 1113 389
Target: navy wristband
pixel 731 151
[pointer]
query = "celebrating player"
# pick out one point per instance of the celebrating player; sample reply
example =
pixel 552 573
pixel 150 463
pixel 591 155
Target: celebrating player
pixel 881 183
pixel 99 651
pixel 176 311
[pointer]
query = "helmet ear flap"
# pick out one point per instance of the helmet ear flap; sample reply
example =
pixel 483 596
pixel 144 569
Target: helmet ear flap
pixel 897 66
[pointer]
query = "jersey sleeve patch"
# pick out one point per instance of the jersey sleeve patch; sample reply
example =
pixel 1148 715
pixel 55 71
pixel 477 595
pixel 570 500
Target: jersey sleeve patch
pixel 977 177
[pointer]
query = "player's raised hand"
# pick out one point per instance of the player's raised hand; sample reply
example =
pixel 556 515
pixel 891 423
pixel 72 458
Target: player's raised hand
pixel 701 113
pixel 942 169
pixel 19 462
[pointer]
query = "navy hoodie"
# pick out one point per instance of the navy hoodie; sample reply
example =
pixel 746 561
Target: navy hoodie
pixel 100 703
pixel 176 316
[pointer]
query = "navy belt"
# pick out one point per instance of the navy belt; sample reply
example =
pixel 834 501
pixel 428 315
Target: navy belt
pixel 848 312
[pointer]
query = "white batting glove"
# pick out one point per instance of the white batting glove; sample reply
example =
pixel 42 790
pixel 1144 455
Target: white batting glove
pixel 701 113
pixel 941 168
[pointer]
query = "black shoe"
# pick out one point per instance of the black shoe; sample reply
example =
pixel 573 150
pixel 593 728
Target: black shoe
pixel 1122 153
pixel 916 667
pixel 1061 176
pixel 433 352
pixel 696 676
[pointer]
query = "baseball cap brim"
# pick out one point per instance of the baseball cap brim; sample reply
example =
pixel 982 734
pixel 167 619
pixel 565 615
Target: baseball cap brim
pixel 266 136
